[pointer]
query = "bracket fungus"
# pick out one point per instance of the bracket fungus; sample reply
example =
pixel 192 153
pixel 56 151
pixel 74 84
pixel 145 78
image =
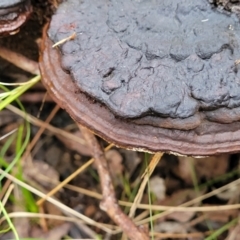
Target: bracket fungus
pixel 148 75
pixel 13 13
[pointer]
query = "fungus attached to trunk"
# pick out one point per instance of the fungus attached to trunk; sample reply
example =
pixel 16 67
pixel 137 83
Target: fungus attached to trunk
pixel 149 75
pixel 13 13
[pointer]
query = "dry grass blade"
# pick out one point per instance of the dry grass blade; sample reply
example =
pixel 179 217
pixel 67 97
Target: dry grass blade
pixel 37 122
pixel 192 235
pixel 40 132
pixel 63 207
pixel 85 192
pixel 9 191
pixel 149 170
pixel 48 216
pixel 72 176
pixel 40 215
pixel 4 189
pixel 71 37
pixel 8 134
pixel 157 207
pixel 19 61
pixel 154 161
pixel 196 200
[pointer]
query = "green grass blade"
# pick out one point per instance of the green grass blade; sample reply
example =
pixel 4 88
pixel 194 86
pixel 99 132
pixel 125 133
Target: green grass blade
pixel 14 94
pixel 9 221
pixel 222 229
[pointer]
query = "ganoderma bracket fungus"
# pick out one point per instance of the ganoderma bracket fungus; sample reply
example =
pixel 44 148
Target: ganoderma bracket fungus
pixel 148 75
pixel 13 13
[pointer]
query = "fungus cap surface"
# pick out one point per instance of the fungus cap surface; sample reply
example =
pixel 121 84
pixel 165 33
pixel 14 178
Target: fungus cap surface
pixel 13 14
pixel 164 72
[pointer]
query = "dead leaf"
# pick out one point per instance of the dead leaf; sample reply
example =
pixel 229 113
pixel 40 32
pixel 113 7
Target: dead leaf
pixel 234 233
pixel 221 216
pixel 53 155
pixel 231 193
pixel 7 117
pixel 157 186
pixel 82 149
pixel 41 173
pixel 131 160
pixel 179 198
pixel 90 210
pixel 170 227
pixel 114 159
pixel 54 234
pixel 208 167
pixel 52 209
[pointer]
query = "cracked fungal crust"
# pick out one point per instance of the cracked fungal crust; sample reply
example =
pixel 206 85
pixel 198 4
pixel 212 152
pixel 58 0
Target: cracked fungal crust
pixel 153 59
pixel 207 139
pixel 13 13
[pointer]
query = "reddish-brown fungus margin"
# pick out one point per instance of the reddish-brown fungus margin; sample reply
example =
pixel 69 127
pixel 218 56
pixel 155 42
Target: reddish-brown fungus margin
pixel 13 14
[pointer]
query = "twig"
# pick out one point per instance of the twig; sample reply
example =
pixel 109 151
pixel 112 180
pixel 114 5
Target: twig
pixel 37 122
pixel 109 203
pixel 19 60
pixel 39 133
pixel 9 191
pixel 4 189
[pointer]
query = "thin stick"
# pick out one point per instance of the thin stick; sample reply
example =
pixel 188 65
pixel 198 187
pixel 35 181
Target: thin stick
pixel 40 132
pixel 5 189
pixel 9 191
pixel 109 203
pixel 40 123
pixel 19 60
